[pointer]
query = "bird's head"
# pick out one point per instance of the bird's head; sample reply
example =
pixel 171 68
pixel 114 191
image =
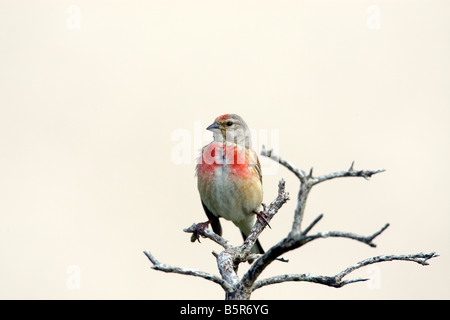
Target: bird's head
pixel 231 128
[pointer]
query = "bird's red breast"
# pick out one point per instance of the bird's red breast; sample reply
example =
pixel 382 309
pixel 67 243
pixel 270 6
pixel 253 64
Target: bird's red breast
pixel 217 154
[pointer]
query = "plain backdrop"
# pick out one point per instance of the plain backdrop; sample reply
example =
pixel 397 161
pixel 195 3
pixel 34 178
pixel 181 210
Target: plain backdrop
pixel 104 105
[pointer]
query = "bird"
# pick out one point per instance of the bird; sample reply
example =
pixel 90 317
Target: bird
pixel 229 177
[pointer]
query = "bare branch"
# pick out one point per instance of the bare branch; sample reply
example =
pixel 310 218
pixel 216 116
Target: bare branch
pixel 300 208
pixel 336 281
pixel 420 258
pixel 310 174
pixel 229 259
pixel 366 174
pixel 208 233
pixel 293 242
pixel 305 277
pixel 312 181
pixel 305 232
pixel 268 153
pixel 304 189
pixel 227 267
pixel 339 234
pixel 273 208
pixel 351 166
pixel 196 273
pixel 308 181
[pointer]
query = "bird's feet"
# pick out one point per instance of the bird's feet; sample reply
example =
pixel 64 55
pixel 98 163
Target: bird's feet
pixel 199 229
pixel 262 216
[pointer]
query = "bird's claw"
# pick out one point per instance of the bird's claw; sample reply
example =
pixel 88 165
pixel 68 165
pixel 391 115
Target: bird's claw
pixel 199 229
pixel 262 216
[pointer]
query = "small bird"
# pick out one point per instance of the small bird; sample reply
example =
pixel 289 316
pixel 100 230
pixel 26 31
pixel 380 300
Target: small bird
pixel 229 177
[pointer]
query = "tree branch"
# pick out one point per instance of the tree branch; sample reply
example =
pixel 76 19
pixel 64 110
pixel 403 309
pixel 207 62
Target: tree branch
pixel 308 181
pixel 243 252
pixel 269 213
pixel 196 273
pixel 336 280
pixel 339 234
pixel 293 242
pixel 366 174
pixel 316 220
pixel 229 259
pixel 268 153
pixel 208 233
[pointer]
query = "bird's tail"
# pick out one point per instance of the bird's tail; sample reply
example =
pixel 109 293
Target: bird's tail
pixel 257 248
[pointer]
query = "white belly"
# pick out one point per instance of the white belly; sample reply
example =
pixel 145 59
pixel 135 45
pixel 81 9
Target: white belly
pixel 231 197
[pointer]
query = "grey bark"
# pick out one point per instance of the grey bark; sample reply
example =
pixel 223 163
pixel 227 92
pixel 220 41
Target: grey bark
pixel 228 260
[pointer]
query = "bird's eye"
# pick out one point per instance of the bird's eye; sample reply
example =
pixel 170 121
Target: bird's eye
pixel 229 123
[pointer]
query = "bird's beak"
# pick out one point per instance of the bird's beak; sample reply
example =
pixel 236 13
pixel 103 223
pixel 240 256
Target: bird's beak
pixel 213 126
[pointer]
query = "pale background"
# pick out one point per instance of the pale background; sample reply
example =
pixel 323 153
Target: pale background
pixel 92 93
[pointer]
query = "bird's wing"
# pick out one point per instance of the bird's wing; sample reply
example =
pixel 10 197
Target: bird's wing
pixel 254 162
